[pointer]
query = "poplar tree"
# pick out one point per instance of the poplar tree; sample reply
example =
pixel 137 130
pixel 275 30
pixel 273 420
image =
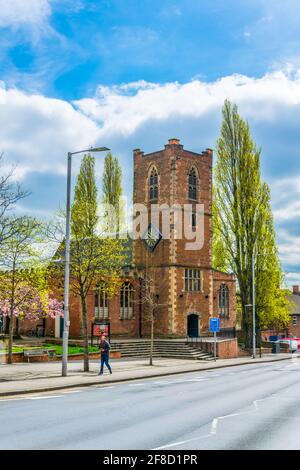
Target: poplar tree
pixel 244 226
pixel 112 192
pixel 219 254
pixel 93 259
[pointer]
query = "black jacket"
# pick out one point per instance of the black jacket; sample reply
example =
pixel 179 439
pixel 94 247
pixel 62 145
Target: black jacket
pixel 104 347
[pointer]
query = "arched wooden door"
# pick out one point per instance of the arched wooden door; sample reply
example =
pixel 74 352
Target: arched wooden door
pixel 193 325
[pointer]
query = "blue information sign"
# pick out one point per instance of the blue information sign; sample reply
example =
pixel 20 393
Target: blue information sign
pixel 214 325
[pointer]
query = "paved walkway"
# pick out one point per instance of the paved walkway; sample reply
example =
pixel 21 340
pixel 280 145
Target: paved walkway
pixel 37 377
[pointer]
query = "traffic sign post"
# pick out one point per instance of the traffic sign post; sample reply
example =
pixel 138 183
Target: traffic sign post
pixel 214 327
pixel 215 346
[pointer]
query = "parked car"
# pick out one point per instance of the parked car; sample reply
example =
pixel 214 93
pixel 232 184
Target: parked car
pixel 298 341
pixel 294 343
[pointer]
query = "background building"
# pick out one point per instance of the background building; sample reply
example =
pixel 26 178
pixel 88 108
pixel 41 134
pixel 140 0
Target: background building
pixel 294 325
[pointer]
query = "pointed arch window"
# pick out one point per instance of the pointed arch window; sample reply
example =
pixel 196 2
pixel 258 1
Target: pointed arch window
pixel 126 301
pixel 224 301
pixel 101 302
pixel 153 185
pixel 192 184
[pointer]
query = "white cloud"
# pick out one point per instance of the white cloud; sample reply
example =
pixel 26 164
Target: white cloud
pixel 293 278
pixel 286 200
pixel 288 211
pixel 37 132
pixel 289 248
pixel 33 124
pixel 121 114
pixel 15 13
pixel 259 98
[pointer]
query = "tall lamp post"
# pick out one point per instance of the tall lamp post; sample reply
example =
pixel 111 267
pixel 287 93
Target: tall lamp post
pixel 253 308
pixel 253 305
pixel 67 258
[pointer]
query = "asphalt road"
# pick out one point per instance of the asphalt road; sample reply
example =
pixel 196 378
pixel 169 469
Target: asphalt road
pixel 245 407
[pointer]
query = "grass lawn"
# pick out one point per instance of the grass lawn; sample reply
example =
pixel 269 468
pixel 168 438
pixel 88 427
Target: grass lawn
pixel 57 348
pixel 71 350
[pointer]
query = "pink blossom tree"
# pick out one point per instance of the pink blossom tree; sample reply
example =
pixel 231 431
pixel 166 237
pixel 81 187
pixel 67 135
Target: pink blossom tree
pixel 28 303
pixel 24 291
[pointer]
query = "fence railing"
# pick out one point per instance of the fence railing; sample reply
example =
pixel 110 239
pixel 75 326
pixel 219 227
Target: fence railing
pixel 225 333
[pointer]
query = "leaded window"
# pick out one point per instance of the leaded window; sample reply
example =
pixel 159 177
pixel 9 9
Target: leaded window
pixel 126 301
pixel 101 302
pixel 153 185
pixel 224 300
pixel 192 184
pixel 192 280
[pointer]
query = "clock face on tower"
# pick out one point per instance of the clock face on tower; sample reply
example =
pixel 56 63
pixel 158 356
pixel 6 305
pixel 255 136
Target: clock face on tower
pixel 152 237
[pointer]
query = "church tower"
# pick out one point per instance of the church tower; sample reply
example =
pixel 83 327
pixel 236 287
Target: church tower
pixel 180 179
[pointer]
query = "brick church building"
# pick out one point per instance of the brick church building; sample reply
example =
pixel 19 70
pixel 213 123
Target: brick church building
pixel 187 290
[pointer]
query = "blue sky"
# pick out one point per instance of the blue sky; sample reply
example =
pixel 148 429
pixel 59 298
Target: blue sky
pixel 69 46
pixel 128 73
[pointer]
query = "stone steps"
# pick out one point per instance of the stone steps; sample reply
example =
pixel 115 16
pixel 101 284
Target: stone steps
pixel 161 348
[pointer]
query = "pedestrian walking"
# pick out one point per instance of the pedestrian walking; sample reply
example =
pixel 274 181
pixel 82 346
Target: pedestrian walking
pixel 104 354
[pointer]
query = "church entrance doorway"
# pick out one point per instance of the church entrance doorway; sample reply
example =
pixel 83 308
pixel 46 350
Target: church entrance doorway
pixel 193 325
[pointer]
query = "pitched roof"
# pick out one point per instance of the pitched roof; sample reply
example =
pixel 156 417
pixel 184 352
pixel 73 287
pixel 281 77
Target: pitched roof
pixel 126 242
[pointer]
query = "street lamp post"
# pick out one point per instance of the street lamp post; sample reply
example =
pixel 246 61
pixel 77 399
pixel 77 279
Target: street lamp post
pixel 67 258
pixel 253 305
pixel 253 309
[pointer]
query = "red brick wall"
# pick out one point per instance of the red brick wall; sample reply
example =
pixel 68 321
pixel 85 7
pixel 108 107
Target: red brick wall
pixel 226 349
pixel 220 278
pixel 117 326
pixel 25 325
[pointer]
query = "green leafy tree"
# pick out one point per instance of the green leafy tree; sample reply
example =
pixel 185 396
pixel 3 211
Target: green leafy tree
pixel 112 193
pixel 94 259
pixel 220 257
pixel 243 223
pixel 272 301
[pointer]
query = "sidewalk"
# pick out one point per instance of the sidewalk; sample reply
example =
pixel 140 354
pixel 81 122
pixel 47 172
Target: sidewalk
pixel 23 378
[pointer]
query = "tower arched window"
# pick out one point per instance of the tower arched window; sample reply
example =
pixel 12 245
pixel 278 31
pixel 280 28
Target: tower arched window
pixel 126 301
pixel 153 185
pixel 224 300
pixel 101 302
pixel 192 184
